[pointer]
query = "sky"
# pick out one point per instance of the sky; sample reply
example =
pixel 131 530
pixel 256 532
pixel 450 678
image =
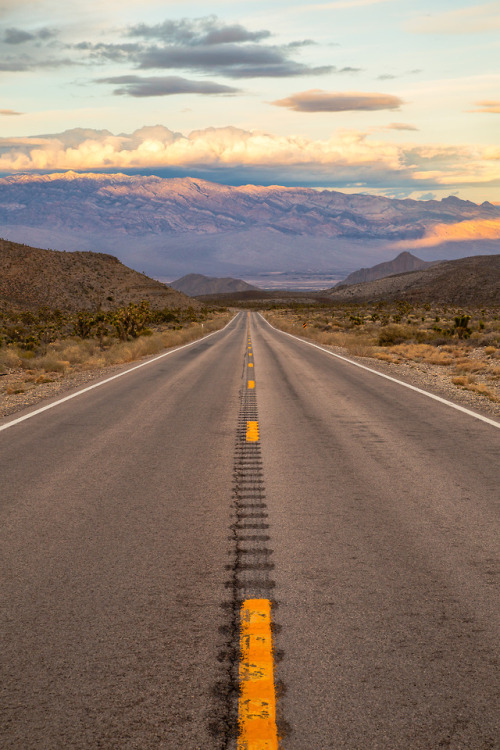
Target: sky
pixel 392 97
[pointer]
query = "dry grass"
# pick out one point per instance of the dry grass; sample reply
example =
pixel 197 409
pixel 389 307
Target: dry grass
pixel 26 370
pixel 469 383
pixel 9 358
pixel 415 353
pixel 357 343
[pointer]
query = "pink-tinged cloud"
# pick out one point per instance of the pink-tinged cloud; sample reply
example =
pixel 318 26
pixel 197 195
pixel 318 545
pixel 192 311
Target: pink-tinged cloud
pixel 488 105
pixel 213 147
pixel 345 156
pixel 317 100
pixel 484 229
pixel 9 112
pixel 400 126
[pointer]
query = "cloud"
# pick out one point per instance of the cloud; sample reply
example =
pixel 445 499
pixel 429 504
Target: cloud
pixel 199 31
pixel 9 112
pixel 25 63
pixel 347 158
pixel 462 231
pixel 20 36
pixel 349 153
pixel 17 36
pixel 230 60
pixel 400 126
pixel 317 100
pixel 473 19
pixel 205 45
pixel 392 76
pixel 487 105
pixel 347 69
pixel 24 50
pixel 454 165
pixel 164 86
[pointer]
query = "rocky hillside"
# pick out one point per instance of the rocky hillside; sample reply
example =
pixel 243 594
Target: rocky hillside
pixel 468 281
pixel 401 264
pixel 195 284
pixel 31 278
pixel 170 227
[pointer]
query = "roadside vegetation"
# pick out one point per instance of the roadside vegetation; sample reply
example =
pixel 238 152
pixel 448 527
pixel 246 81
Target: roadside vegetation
pixel 44 346
pixel 463 344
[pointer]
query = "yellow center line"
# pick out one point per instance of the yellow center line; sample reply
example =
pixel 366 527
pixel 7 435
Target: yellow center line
pixel 257 702
pixel 252 432
pixel 251 383
pixel 250 364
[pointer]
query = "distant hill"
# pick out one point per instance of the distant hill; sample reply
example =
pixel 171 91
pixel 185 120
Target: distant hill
pixel 195 284
pixel 401 264
pixel 31 278
pixel 471 281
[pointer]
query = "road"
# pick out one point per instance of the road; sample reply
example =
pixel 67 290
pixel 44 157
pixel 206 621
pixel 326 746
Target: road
pixel 132 517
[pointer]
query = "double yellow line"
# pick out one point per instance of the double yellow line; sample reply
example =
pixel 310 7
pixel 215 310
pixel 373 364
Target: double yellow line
pixel 257 701
pixel 251 383
pixel 257 728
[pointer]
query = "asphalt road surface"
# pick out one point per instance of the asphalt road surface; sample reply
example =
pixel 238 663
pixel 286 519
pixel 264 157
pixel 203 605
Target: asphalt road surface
pixel 123 545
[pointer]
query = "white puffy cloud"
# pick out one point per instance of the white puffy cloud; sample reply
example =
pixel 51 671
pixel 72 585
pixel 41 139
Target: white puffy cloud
pixel 346 157
pixel 215 147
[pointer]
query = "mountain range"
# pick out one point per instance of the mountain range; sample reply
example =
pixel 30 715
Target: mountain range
pixel 170 227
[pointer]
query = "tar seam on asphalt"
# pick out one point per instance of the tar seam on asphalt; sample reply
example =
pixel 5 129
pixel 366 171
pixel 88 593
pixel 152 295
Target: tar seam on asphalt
pixel 251 565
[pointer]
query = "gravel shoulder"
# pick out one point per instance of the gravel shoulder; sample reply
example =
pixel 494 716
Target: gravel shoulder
pixel 432 378
pixel 58 385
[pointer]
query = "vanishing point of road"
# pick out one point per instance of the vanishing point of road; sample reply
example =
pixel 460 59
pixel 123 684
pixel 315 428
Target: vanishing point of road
pixel 250 543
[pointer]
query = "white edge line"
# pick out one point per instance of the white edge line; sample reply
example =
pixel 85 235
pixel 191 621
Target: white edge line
pixel 388 377
pixel 113 377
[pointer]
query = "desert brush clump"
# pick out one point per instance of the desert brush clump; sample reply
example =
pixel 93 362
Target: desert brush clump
pixel 9 358
pixel 39 347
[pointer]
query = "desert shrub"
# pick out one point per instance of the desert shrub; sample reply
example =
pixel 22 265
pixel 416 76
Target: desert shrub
pixel 49 363
pixel 485 338
pixel 395 334
pixel 75 351
pixel 9 358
